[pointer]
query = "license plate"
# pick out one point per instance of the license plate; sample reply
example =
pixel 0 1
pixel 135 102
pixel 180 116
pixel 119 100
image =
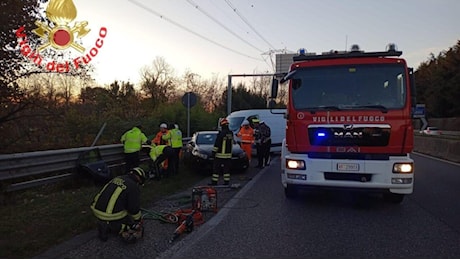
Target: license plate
pixel 347 166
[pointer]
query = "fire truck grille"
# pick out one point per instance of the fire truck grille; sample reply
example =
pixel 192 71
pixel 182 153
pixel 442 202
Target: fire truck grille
pixel 342 136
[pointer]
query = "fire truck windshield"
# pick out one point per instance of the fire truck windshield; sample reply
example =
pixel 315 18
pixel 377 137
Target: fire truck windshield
pixel 367 86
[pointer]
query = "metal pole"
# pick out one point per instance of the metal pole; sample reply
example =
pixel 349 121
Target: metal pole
pixel 229 87
pixel 99 134
pixel 188 114
pixel 229 95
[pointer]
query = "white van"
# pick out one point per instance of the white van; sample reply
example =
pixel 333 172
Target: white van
pixel 274 118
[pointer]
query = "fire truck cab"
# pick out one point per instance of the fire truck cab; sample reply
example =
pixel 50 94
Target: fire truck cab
pixel 348 123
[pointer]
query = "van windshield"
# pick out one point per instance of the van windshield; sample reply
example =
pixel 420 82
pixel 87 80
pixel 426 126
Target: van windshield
pixel 234 123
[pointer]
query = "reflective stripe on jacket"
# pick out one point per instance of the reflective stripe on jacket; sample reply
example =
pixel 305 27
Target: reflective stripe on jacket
pixel 224 144
pixel 174 137
pixel 118 198
pixel 246 135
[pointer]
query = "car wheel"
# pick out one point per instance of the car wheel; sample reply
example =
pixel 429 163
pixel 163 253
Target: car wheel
pixel 393 197
pixel 290 192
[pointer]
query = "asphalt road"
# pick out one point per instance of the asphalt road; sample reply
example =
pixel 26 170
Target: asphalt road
pixel 259 222
pixel 264 224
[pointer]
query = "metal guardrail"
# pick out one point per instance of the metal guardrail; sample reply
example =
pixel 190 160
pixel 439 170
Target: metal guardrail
pixel 62 163
pixel 44 167
pixel 443 132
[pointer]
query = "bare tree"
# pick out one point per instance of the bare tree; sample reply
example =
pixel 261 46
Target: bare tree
pixel 192 82
pixel 209 91
pixel 158 81
pixel 212 91
pixel 261 86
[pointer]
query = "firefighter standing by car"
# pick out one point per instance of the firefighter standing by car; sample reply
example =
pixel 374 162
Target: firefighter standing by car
pixel 117 207
pixel 246 133
pixel 222 154
pixel 174 137
pixel 132 141
pixel 263 142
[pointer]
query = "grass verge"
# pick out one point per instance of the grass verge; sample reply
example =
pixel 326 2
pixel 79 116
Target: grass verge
pixel 36 220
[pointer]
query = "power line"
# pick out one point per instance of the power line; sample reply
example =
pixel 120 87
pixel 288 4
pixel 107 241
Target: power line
pixel 270 53
pixel 222 25
pixel 189 30
pixel 247 22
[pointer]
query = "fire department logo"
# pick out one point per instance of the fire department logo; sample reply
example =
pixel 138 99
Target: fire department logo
pixel 61 36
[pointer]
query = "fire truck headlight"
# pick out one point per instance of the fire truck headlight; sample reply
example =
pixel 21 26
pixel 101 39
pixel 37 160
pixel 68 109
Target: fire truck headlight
pixel 295 164
pixel 403 168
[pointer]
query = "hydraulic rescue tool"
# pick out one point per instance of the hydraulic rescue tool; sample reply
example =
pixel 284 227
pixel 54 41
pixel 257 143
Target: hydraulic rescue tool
pixel 185 225
pixel 204 198
pixel 134 232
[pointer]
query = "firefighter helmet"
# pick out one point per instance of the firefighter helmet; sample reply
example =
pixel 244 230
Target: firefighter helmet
pixel 224 121
pixel 139 172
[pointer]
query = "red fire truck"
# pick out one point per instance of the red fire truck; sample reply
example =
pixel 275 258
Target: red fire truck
pixel 349 122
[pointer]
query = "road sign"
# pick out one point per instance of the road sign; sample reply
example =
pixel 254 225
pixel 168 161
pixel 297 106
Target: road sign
pixel 419 111
pixel 189 99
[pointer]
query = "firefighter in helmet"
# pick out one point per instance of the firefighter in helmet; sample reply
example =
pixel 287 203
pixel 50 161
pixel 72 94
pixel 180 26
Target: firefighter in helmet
pixel 263 142
pixel 158 139
pixel 222 153
pixel 117 207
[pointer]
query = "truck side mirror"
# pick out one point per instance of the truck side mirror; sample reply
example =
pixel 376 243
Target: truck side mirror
pixel 274 93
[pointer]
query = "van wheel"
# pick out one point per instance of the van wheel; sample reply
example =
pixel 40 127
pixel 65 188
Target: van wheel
pixel 393 197
pixel 290 192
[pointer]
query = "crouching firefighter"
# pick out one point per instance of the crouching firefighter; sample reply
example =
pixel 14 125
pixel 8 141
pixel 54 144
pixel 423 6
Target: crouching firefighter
pixel 117 207
pixel 160 154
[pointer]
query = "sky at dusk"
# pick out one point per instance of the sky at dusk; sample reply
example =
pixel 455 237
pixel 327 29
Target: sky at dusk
pixel 221 37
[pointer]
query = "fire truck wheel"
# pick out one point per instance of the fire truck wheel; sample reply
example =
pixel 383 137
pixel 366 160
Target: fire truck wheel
pixel 290 191
pixel 393 197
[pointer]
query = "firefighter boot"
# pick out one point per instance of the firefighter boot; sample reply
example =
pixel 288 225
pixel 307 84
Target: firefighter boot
pixel 103 230
pixel 133 233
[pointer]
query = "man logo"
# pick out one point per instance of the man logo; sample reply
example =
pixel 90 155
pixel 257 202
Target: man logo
pixel 348 132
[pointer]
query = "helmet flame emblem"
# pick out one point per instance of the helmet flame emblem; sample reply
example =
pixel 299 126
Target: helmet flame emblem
pixel 61 36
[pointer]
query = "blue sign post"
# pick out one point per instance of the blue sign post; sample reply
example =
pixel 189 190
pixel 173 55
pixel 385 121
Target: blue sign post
pixel 419 111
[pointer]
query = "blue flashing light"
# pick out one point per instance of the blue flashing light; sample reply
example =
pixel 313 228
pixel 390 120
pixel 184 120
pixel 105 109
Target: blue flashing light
pixel 321 134
pixel 302 51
